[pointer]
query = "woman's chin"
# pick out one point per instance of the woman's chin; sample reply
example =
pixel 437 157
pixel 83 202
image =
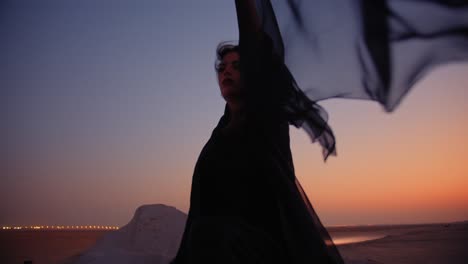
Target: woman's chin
pixel 228 92
pixel 231 96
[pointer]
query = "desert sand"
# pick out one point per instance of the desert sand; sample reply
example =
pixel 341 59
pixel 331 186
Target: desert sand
pixel 413 244
pixel 45 247
pixel 153 235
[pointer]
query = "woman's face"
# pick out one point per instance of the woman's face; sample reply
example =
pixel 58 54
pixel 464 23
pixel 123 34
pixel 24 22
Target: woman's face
pixel 229 76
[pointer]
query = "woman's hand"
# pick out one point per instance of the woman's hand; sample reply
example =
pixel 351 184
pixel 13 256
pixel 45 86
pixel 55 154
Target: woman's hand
pixel 247 17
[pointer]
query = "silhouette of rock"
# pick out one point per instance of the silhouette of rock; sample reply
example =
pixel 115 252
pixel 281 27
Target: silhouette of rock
pixel 152 236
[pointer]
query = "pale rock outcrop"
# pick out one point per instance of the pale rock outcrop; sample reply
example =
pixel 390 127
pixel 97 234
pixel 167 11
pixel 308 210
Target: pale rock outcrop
pixel 152 236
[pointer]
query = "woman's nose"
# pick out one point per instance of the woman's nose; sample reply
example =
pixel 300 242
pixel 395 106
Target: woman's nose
pixel 227 72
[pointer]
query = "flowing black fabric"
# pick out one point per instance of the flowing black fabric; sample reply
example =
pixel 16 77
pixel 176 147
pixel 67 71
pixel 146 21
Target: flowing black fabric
pixel 246 205
pixel 361 49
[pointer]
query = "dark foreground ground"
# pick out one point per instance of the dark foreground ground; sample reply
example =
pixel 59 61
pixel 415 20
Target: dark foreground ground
pixel 46 247
pixel 428 244
pixel 398 244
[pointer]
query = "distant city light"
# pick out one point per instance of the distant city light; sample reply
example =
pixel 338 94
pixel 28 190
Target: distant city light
pixel 41 227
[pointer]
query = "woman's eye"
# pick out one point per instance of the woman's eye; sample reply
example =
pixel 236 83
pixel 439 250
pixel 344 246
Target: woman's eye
pixel 221 68
pixel 235 65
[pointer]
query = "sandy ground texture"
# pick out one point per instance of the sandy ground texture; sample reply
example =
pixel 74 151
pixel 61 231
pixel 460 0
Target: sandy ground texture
pixel 44 247
pixel 429 244
pixel 405 244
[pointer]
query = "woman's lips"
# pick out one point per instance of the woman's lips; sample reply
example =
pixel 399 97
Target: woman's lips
pixel 227 81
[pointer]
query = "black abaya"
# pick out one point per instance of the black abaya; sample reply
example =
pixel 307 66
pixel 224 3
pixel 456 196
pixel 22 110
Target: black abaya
pixel 246 204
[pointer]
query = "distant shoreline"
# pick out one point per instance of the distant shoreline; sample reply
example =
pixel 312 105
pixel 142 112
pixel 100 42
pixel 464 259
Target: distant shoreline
pixel 389 226
pixel 330 228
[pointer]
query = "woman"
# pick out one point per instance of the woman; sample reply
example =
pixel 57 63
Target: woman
pixel 246 205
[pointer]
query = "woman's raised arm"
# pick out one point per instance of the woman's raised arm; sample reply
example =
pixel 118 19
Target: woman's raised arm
pixel 247 17
pixel 259 69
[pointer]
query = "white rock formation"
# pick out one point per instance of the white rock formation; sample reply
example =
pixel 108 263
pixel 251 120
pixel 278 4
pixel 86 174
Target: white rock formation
pixel 152 236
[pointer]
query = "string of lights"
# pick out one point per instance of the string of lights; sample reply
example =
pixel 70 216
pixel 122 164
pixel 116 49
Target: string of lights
pixel 58 227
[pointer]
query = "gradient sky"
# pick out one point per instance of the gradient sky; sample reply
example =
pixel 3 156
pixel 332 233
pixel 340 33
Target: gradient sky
pixel 107 104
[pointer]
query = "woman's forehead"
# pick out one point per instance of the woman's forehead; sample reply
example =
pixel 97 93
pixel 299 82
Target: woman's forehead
pixel 230 57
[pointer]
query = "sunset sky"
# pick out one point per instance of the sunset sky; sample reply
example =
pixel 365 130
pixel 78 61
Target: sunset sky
pixel 107 104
